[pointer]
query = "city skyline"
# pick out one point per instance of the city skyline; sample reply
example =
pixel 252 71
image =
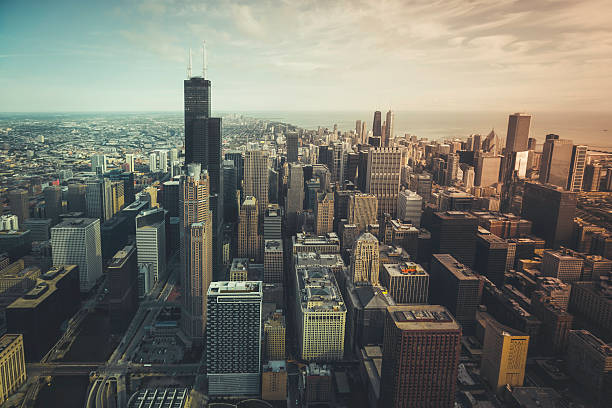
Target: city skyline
pixel 456 55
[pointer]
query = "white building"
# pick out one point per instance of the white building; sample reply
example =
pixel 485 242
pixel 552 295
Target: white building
pixel 76 241
pixel 151 240
pixel 410 207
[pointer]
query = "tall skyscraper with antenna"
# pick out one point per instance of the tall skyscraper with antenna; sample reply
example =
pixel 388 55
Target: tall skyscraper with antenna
pixel 203 146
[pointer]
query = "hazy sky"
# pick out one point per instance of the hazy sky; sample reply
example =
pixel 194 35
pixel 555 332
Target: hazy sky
pixel 494 55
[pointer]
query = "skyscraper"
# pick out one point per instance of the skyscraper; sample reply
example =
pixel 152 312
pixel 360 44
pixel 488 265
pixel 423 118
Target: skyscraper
pixel 99 198
pixel 407 282
pixel 98 163
pixel 421 350
pixel 20 204
pixel 249 241
pixel 129 160
pixel 491 257
pixel 230 188
pixel 324 213
pixel 388 129
pixel 454 232
pixel 122 275
pixel 292 146
pixel 556 161
pixel 203 146
pixel 577 167
pixel 256 177
pixel 410 207
pixel 504 355
pixel 518 133
pixel 196 236
pixel 377 125
pixel 77 197
pixel 295 195
pixel 76 241
pixel 362 210
pixel 365 260
pixel 551 210
pixel 383 177
pixel 53 202
pixel 233 338
pixel 151 240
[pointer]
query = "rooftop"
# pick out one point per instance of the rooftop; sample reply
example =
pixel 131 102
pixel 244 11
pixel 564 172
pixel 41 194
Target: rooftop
pixel 235 288
pixel 405 269
pixel 422 317
pixel 458 269
pixel 7 340
pixel 318 289
pixel 76 223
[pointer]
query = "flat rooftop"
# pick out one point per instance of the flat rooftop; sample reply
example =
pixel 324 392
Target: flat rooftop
pixel 76 223
pixel 235 288
pixel 405 269
pixel 455 267
pixel 7 340
pixel 318 290
pixel 422 317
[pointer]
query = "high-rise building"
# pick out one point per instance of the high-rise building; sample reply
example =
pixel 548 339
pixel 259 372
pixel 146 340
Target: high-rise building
pixel 421 184
pixel 151 240
pixel 504 356
pixel 274 381
pixel 551 210
pixel 237 157
pixel 407 282
pixel 274 336
pixel 556 161
pixel 122 275
pixel 76 241
pixel 98 163
pixel 273 222
pixel 99 198
pixel 233 338
pixel 455 286
pixel 388 129
pixel 203 146
pixel 249 241
pixel 196 236
pixel 53 202
pixel 324 213
pixel 577 166
pixel 384 171
pixel 77 197
pixel 561 264
pixel 362 210
pixel 454 233
pixel 320 314
pixel 491 257
pixel 292 146
pixel 518 132
pixel 377 124
pixel 420 362
pixel 295 195
pixel 589 361
pixel 171 197
pixel 20 204
pixel 129 161
pixel 410 207
pixel 486 172
pixel 256 177
pixel 273 261
pixel 12 365
pixel 365 259
pixel 230 191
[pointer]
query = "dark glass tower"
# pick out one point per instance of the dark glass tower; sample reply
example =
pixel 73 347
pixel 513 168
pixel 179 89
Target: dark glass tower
pixel 377 125
pixel 203 146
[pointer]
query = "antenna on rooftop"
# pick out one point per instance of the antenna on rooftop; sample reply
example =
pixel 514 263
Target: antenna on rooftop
pixel 204 62
pixel 189 66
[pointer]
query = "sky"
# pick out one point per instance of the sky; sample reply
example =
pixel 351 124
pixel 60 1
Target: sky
pixel 448 55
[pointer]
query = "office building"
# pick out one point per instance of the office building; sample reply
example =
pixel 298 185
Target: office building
pixel 518 132
pixel 98 163
pixel 454 232
pixel 239 270
pixel 577 167
pixel 420 357
pixel 556 323
pixel 384 171
pixel 274 336
pixel 249 240
pixel 486 172
pixel 377 124
pixel 455 286
pixel 99 198
pixel 122 275
pixel 12 365
pixel 273 222
pixel 9 223
pixel 292 146
pixel 504 356
pixel 591 304
pixel 76 241
pixel 118 177
pixel 295 195
pixel 421 184
pixel 561 264
pixel 53 202
pixel 410 207
pixel 406 282
pixel 320 315
pixel 40 228
pixel 196 247
pixel 551 210
pixel 324 213
pixel 170 197
pixel 491 257
pixel 388 135
pixel 362 210
pixel 365 260
pixel 273 261
pixel 230 191
pixel 151 240
pixel 38 314
pixel 274 381
pixel 556 161
pixel 322 244
pixel 256 177
pixel 589 361
pixel 77 197
pixel 233 338
pixel 19 203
